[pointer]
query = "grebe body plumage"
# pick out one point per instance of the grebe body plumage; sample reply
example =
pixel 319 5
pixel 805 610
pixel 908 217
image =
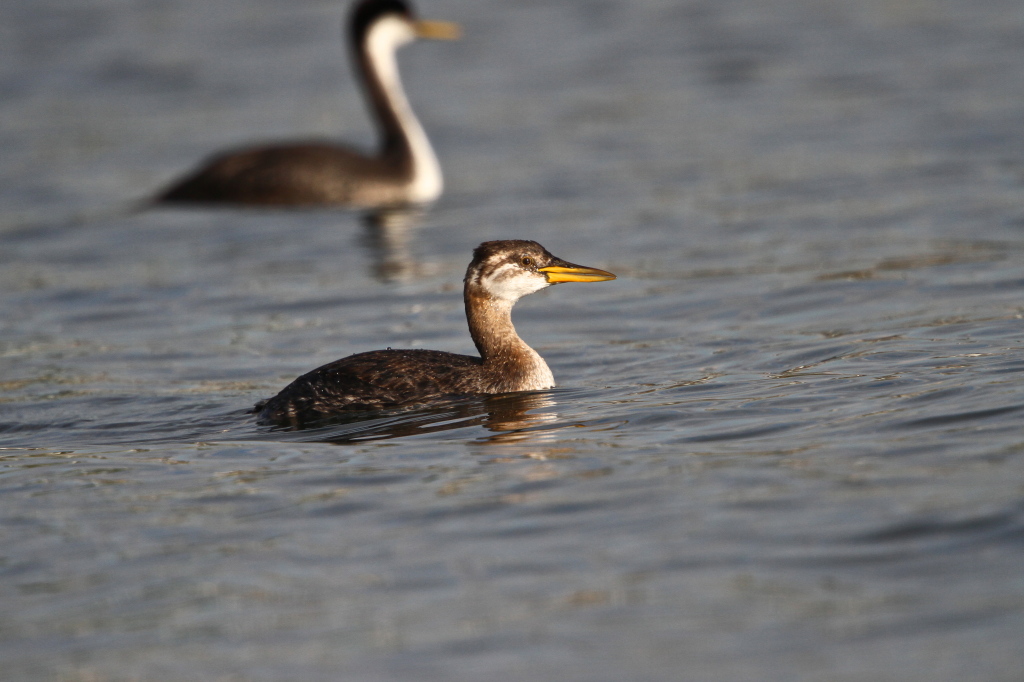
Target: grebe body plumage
pixel 404 171
pixel 500 274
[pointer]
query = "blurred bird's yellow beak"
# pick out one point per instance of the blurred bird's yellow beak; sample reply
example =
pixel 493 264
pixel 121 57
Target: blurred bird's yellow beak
pixel 438 30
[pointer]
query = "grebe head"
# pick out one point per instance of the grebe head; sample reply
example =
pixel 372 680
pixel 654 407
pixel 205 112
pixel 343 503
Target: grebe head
pixel 393 22
pixel 510 269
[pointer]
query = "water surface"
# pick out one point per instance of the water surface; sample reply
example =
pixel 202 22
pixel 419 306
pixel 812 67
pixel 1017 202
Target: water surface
pixel 786 441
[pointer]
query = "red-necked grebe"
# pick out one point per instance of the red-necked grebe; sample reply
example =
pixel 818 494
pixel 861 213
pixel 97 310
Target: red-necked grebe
pixel 404 171
pixel 501 273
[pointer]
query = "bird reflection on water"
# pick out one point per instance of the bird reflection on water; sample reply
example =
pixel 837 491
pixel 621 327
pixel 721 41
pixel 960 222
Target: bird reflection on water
pixel 388 238
pixel 512 417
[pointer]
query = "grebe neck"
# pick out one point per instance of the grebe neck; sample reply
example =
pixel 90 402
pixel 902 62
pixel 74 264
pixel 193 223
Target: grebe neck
pixel 403 140
pixel 506 356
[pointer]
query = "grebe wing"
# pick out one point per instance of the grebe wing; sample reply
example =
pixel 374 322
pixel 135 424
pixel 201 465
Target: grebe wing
pixel 373 380
pixel 309 172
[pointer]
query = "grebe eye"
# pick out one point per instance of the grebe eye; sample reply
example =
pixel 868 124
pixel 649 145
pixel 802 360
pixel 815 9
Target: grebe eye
pixel 527 261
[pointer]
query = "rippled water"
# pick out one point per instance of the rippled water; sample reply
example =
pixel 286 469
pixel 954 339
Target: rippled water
pixel 786 443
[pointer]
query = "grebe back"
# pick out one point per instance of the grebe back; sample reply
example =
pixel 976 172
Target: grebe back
pixel 500 274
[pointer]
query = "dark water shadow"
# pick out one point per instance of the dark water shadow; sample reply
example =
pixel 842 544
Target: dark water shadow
pixel 47 222
pixel 506 415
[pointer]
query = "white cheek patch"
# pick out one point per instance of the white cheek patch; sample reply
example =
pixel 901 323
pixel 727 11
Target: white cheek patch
pixel 511 283
pixel 389 34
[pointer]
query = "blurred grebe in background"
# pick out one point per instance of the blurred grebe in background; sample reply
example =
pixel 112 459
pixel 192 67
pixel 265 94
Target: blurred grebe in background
pixel 404 171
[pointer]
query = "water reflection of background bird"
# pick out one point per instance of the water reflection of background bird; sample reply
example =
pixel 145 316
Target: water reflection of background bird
pixel 388 239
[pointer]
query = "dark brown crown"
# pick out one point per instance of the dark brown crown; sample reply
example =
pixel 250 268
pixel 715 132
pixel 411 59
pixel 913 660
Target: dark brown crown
pixel 368 12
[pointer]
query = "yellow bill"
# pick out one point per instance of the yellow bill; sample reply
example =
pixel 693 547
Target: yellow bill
pixel 574 273
pixel 438 30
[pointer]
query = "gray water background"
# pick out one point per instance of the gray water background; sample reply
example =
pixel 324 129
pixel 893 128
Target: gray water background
pixel 786 443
